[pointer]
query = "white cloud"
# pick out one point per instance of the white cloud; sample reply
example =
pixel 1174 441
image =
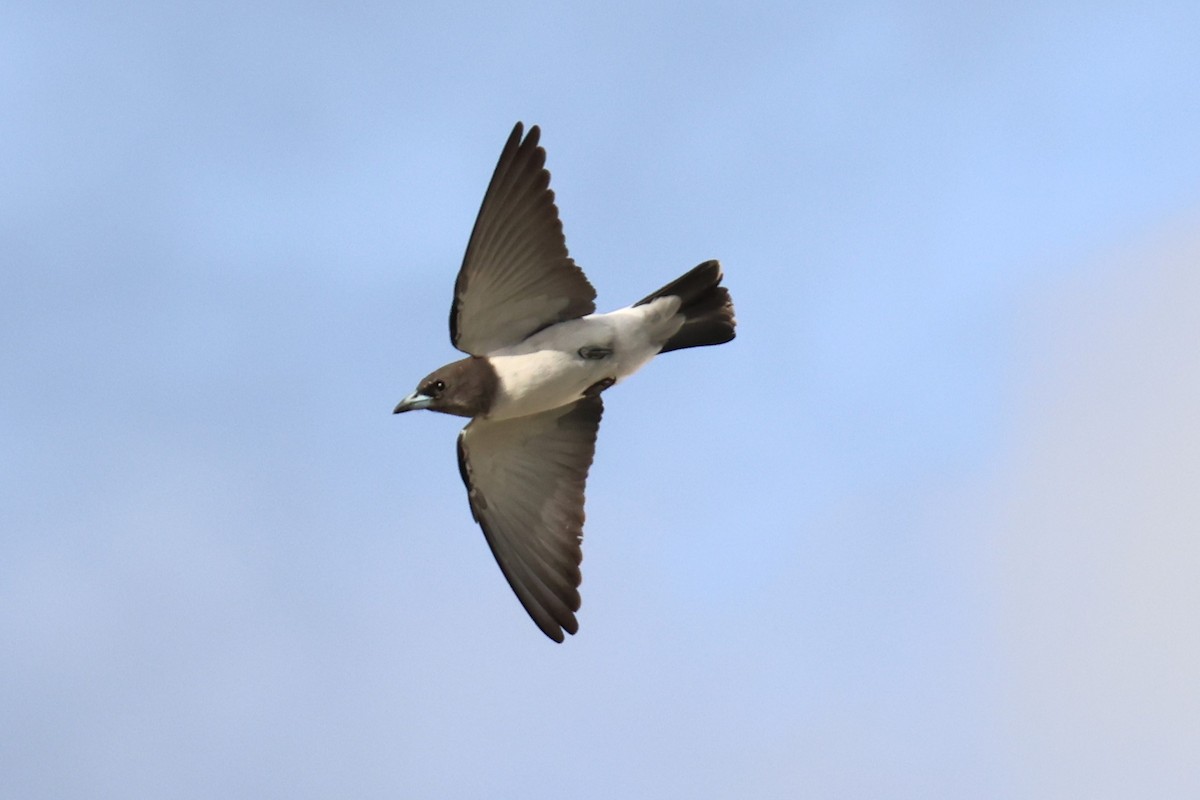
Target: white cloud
pixel 1098 531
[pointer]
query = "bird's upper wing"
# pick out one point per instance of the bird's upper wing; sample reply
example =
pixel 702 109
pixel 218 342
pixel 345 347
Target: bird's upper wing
pixel 516 277
pixel 525 479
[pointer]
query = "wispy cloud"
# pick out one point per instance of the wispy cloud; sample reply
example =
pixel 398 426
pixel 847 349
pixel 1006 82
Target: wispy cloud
pixel 1098 531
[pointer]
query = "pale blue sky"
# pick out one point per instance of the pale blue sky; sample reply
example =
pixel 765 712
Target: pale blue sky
pixel 924 529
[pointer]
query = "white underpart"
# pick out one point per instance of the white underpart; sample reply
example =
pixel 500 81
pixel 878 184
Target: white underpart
pixel 546 371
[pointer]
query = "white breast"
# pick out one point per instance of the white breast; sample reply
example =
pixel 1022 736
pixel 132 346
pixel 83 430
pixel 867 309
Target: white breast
pixel 546 371
pixel 535 382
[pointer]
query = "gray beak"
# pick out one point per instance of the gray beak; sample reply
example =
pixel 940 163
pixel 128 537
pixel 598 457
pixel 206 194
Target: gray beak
pixel 413 402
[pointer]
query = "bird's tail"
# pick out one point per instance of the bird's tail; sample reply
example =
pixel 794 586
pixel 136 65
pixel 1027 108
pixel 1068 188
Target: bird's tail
pixel 705 304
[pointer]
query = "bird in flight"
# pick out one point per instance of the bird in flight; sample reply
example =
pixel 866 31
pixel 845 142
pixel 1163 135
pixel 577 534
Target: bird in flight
pixel 538 359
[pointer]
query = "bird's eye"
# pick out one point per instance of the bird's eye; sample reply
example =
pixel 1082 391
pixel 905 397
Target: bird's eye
pixel 436 388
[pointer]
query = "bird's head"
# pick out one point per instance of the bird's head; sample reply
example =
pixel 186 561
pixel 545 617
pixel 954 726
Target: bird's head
pixel 465 388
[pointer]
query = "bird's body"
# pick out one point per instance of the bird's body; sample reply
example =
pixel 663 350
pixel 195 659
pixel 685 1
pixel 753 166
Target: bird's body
pixel 547 370
pixel 539 358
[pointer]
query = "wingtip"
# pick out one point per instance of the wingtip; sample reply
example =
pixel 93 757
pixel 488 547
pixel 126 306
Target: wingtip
pixel 529 139
pixel 556 634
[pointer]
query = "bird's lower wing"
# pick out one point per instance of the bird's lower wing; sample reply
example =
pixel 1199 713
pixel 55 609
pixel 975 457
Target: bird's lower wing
pixel 525 480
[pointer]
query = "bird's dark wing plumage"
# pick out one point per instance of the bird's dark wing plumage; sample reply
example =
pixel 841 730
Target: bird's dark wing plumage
pixel 525 479
pixel 516 277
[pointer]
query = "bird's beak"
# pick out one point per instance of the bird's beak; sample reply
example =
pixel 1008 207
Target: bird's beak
pixel 414 401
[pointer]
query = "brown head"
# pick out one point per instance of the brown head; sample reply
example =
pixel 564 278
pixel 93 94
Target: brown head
pixel 465 388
